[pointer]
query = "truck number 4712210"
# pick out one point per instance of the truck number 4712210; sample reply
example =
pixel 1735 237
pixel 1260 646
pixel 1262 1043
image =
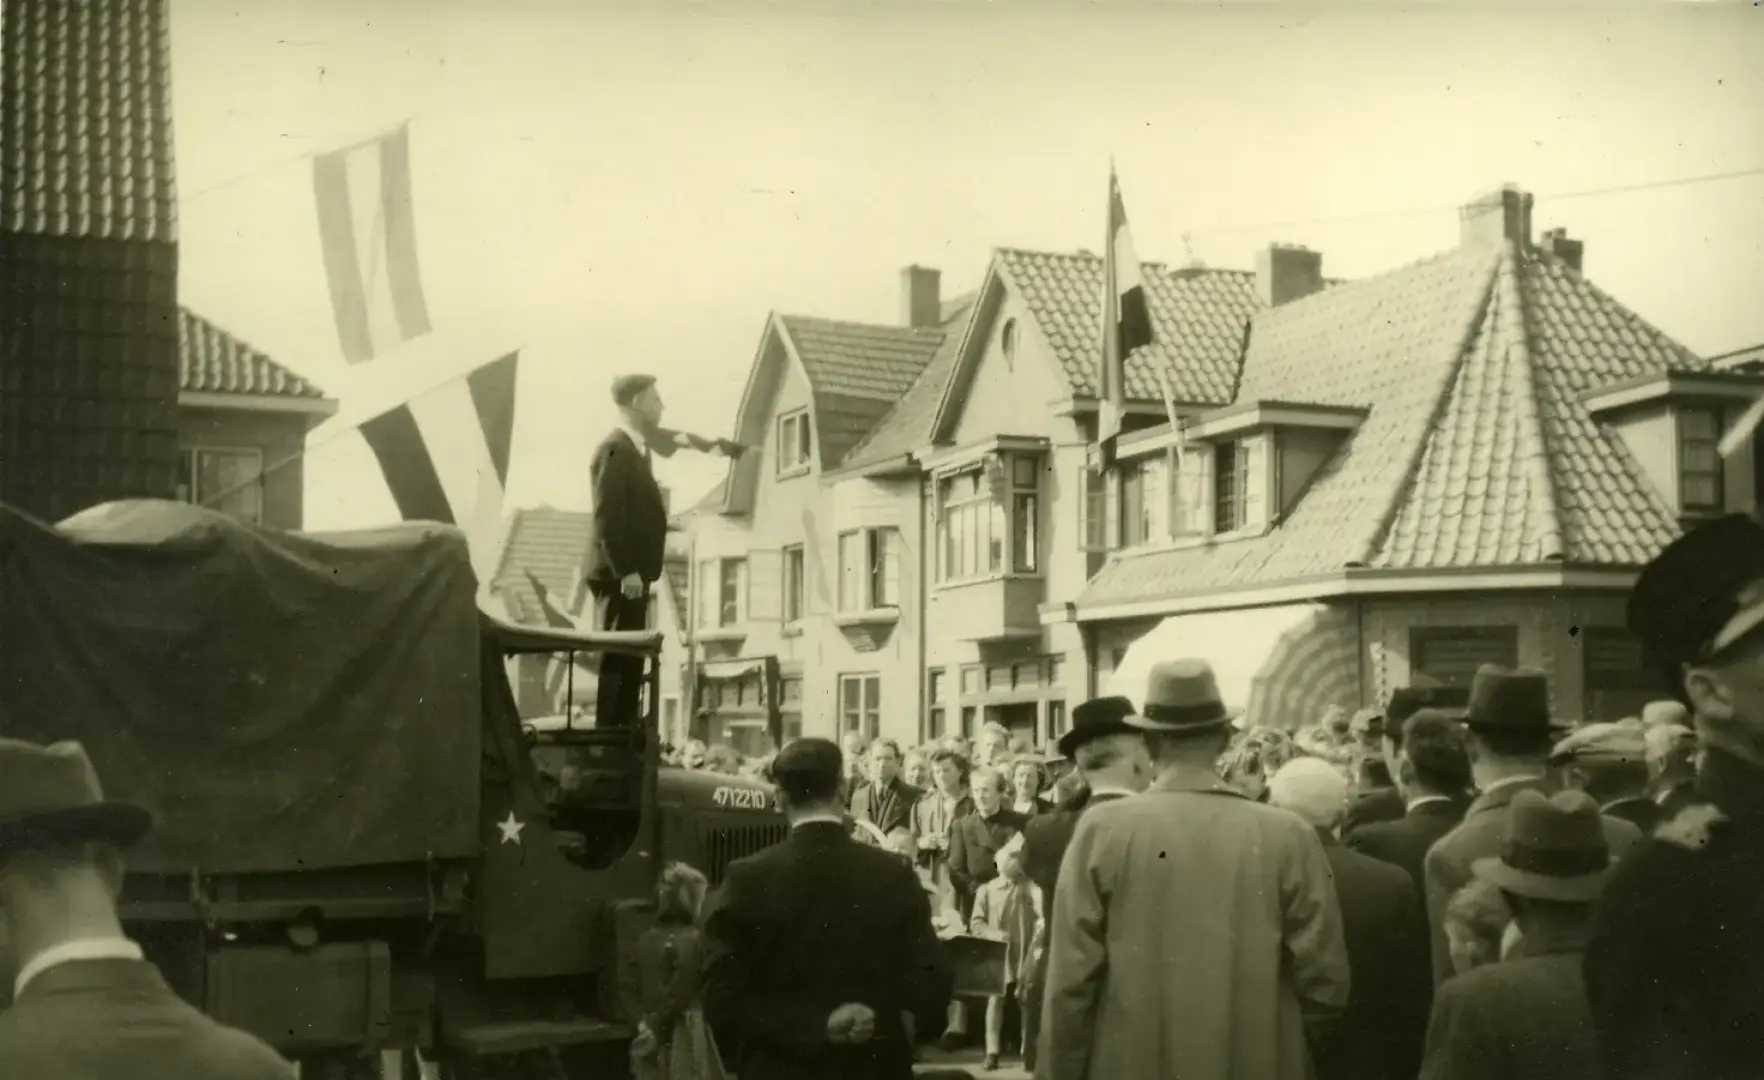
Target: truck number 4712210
pixel 735 798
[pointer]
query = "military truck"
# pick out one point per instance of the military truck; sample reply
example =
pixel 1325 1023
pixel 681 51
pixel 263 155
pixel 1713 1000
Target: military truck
pixel 361 854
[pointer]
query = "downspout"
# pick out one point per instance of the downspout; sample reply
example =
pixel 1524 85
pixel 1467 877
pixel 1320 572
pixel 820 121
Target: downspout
pixel 924 623
pixel 692 587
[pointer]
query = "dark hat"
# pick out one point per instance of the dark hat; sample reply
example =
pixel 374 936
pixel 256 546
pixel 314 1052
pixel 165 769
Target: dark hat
pixel 1096 719
pixel 625 388
pixel 1406 701
pixel 1701 594
pixel 1555 850
pixel 49 795
pixel 1182 696
pixel 1511 698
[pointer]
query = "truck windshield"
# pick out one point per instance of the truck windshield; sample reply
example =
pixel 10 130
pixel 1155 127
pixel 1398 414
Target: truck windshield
pixel 555 691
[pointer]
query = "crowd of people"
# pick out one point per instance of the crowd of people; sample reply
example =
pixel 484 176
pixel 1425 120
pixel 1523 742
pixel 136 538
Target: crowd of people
pixel 1457 886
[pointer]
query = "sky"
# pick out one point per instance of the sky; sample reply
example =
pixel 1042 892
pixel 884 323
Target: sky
pixel 617 188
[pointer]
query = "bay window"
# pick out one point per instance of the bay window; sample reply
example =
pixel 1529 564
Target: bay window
pixel 989 518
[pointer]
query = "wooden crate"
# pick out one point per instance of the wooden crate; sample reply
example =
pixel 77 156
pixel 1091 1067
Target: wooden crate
pixel 978 963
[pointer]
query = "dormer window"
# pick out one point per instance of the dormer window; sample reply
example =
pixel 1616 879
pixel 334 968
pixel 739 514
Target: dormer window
pixel 793 443
pixel 1238 485
pixel 1700 485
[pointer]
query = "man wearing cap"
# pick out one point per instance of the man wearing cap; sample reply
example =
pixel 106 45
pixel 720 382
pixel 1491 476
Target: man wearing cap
pixel 1675 968
pixel 1609 762
pixel 1511 732
pixel 1526 1018
pixel 1379 1036
pixel 1110 756
pixel 628 538
pixel 85 1003
pixel 1195 933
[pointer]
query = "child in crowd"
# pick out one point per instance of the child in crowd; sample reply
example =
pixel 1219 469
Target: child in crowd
pixel 1006 909
pixel 1476 924
pixel 673 1042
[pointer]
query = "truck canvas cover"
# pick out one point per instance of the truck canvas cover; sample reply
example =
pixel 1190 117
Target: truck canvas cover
pixel 280 701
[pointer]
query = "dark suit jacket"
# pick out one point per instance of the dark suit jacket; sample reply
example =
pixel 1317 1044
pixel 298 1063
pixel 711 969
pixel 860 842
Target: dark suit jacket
pixel 1521 1019
pixel 973 849
pixel 1673 970
pixel 1404 842
pixel 810 924
pixel 1372 807
pixel 115 1018
pixel 1045 839
pixel 1380 1035
pixel 1481 835
pixel 630 526
pixel 869 804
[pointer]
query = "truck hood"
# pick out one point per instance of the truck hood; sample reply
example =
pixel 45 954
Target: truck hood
pixel 696 790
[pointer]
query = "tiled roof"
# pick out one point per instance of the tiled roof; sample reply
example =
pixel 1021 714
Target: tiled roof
pixel 553 546
pixel 212 361
pixel 85 131
pixel 1476 450
pixel 1751 359
pixel 857 373
pixel 908 426
pixel 1198 318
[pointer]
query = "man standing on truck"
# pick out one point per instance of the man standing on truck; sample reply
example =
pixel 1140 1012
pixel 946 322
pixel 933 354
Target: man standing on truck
pixel 630 532
pixel 84 1000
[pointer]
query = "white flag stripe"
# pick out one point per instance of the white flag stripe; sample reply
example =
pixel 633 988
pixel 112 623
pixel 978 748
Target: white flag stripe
pixel 1742 428
pixel 448 421
pixel 1127 272
pixel 367 208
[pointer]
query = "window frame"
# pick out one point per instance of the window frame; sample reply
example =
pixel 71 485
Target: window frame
pixel 1134 525
pixel 1093 509
pixel 1634 685
pixel 1506 635
pixel 795 442
pixel 795 583
pixel 868 711
pixel 190 491
pixel 1230 484
pixel 1004 511
pixel 872 576
pixel 1716 473
pixel 740 597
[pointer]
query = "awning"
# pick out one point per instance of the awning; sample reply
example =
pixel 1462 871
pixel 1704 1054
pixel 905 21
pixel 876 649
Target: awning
pixel 1285 666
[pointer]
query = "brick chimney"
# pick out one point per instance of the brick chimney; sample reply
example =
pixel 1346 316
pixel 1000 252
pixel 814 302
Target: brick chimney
pixel 1285 273
pixel 1496 216
pixel 921 300
pixel 1570 252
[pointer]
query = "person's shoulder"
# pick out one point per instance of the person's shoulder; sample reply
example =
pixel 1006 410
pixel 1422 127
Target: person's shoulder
pixel 1375 872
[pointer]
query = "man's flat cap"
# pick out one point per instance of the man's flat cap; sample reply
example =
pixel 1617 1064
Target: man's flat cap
pixel 1602 744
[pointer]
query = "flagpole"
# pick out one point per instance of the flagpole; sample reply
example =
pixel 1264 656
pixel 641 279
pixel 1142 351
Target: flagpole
pixel 330 146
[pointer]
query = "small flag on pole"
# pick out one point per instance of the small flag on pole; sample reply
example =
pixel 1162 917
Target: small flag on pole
pixel 1742 429
pixel 367 231
pixel 560 679
pixel 1126 322
pixel 444 454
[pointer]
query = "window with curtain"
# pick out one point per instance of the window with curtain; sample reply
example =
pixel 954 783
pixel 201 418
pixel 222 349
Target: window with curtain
pixel 732 592
pixel 794 452
pixel 1187 486
pixel 1094 510
pixel 1239 485
pixel 869 569
pixel 971 526
pixel 1025 514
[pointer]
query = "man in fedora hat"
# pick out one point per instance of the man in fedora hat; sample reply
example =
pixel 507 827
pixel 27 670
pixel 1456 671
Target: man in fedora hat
pixel 85 1003
pixel 1510 733
pixel 1432 771
pixel 1195 933
pixel 1675 968
pixel 1526 1017
pixel 1110 757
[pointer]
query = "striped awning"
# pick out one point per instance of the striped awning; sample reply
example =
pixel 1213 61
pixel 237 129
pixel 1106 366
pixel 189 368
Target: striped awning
pixel 1285 666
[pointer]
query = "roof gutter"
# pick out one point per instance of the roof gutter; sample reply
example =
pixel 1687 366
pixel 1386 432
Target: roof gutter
pixel 275 403
pixel 1355 583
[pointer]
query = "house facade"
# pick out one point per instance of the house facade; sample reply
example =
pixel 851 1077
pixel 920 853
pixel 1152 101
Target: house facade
pixel 1460 462
pixel 242 426
pixel 1368 483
